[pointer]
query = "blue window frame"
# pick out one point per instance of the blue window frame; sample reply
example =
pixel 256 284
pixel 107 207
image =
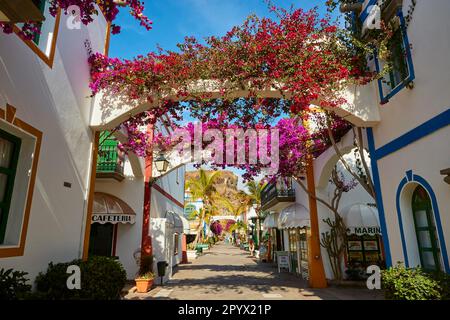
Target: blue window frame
pixel 402 72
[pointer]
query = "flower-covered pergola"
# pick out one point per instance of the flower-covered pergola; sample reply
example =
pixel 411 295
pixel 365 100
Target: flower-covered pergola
pixel 257 72
pixel 298 57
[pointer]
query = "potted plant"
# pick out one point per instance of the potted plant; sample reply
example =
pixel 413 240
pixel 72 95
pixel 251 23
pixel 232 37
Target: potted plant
pixel 144 279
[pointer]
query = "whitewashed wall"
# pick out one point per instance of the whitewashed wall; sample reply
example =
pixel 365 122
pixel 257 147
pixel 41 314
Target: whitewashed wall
pixel 428 34
pixel 55 102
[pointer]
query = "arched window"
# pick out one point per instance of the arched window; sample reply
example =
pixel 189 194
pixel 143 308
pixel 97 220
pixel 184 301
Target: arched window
pixel 427 241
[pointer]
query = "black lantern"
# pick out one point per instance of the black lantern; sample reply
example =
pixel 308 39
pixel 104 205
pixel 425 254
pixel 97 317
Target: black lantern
pixel 161 163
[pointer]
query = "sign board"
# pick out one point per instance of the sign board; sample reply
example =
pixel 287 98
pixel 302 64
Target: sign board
pixel 103 218
pixel 283 260
pixel 364 230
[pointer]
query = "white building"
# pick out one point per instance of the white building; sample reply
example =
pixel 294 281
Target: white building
pixel 49 188
pixel 46 142
pixel 411 145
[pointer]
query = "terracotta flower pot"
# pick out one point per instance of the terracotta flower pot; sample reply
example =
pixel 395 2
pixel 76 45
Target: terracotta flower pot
pixel 143 285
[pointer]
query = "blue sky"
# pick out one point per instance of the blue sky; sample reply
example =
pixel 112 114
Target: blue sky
pixel 175 19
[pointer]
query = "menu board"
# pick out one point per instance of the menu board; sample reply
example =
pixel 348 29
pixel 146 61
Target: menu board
pixel 370 245
pixel 354 245
pixel 283 260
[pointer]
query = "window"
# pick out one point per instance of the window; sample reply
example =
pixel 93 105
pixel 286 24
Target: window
pixel 20 145
pixel 425 230
pixel 9 155
pixel 401 71
pixel 40 4
pixel 44 42
pixel 292 240
pixel 363 250
pixel 176 240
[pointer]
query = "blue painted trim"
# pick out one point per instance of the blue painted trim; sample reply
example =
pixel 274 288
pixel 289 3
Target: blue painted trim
pixel 440 121
pixel 365 13
pixel 411 73
pixel 437 217
pixel 380 206
pixel 400 221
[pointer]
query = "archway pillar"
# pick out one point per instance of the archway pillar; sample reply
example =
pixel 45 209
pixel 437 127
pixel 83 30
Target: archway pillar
pixel 317 277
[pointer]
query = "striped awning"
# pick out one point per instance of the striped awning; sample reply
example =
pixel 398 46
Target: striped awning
pixel 110 209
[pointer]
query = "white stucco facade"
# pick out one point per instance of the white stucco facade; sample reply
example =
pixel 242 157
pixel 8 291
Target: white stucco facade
pixel 413 136
pixel 53 101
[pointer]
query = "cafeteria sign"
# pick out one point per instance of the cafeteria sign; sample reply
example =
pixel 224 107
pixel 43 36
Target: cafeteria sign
pixel 365 230
pixel 103 218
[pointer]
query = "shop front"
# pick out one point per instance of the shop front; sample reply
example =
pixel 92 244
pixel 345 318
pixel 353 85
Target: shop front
pixel 273 237
pixel 295 222
pixel 364 240
pixel 108 212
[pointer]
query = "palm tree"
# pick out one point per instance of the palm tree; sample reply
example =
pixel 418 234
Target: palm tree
pixel 203 188
pixel 254 191
pixel 236 209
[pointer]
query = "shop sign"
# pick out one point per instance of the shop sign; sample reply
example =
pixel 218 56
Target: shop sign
pixel 283 260
pixel 364 230
pixel 113 218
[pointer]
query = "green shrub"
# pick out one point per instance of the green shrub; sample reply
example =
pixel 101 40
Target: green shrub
pixel 444 283
pixel 102 278
pixel 52 284
pixel 401 283
pixel 13 284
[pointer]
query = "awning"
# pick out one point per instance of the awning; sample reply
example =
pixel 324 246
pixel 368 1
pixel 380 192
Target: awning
pixel 361 219
pixel 294 216
pixel 179 223
pixel 110 209
pixel 251 213
pixel 271 221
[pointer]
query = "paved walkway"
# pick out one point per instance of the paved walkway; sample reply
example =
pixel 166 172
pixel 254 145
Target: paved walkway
pixel 226 272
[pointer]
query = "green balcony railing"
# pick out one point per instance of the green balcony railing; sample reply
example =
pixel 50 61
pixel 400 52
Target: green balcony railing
pixel 110 159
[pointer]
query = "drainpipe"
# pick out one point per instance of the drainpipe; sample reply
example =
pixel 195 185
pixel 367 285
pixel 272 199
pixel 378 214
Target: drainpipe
pixel 146 242
pixel 316 271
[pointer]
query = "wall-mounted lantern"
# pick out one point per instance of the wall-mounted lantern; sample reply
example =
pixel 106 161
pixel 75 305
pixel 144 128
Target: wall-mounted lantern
pixel 161 163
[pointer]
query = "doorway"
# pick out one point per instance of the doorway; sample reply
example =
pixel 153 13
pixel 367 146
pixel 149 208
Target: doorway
pixel 102 238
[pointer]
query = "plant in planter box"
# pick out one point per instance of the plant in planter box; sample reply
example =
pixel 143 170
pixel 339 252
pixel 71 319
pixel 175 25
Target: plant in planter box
pixel 144 279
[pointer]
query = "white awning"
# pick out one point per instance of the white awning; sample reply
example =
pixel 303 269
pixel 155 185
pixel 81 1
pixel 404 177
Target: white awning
pixel 271 221
pixel 179 223
pixel 110 209
pixel 294 216
pixel 361 219
pixel 251 213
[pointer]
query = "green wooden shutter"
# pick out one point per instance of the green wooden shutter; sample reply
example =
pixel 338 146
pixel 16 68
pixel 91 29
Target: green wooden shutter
pixel 9 174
